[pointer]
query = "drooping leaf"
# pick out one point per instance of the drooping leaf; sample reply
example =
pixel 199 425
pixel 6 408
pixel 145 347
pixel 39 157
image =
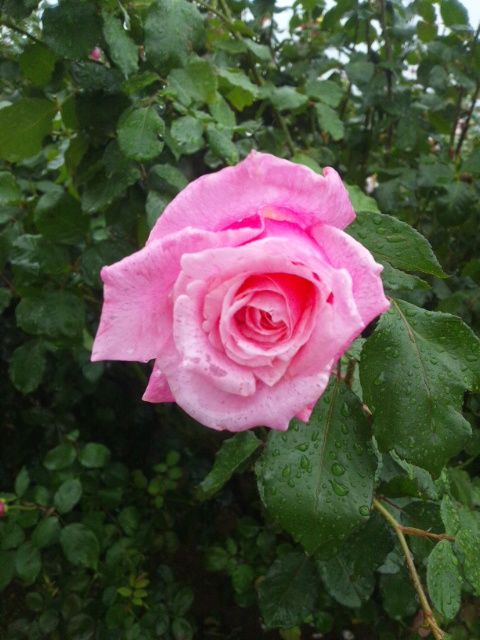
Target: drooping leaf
pixel 414 370
pixel 23 126
pixel 316 480
pixel 288 592
pixel 233 453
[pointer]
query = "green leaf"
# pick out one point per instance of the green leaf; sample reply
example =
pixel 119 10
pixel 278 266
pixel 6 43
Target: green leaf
pixel 28 562
pixel 360 72
pixel 288 593
pixel 222 113
pixel 395 280
pixel 170 178
pixel 233 453
pixel 139 133
pixel 398 595
pixel 187 133
pixel 60 457
pixel 360 200
pixel 197 82
pixel 325 90
pixel 57 314
pixel 23 126
pixel 7 568
pixel 22 482
pixel 316 480
pixel 173 29
pixel 72 28
pixel 123 50
pixel 242 92
pixel 467 542
pixel 27 366
pixel 444 582
pixel 67 495
pixel 414 371
pixel 453 13
pixel 10 192
pixel 395 242
pixel 80 545
pixel 58 216
pixel 37 63
pixel 329 121
pixel 350 575
pixel 284 98
pixel 94 455
pixel 46 533
pixel 260 51
pixel 32 255
pixel 221 144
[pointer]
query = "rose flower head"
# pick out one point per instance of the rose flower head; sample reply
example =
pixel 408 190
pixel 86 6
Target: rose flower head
pixel 247 293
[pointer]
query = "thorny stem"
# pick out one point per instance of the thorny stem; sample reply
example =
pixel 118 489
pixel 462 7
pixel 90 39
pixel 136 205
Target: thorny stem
pixel 352 363
pixel 437 633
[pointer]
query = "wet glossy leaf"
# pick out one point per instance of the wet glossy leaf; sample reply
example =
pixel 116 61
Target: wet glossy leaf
pixel 316 480
pixel 443 579
pixel 395 242
pixel 23 126
pixel 414 370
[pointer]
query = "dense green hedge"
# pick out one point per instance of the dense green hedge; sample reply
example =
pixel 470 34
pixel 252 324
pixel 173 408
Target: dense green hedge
pixel 107 110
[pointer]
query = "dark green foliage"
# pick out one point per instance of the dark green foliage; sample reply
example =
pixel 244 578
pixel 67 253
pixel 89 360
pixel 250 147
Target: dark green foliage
pixel 129 521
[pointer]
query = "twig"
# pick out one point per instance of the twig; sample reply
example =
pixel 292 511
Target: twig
pixel 437 633
pixel 466 124
pixel 352 363
pixel 421 533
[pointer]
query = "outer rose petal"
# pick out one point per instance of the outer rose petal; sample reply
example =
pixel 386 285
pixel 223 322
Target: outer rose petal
pixel 343 252
pixel 262 183
pixel 273 407
pixel 137 310
pixel 157 389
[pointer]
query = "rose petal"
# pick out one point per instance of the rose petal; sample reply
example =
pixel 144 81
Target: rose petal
pixel 158 389
pixel 137 310
pixel 197 352
pixel 343 252
pixel 262 183
pixel 272 407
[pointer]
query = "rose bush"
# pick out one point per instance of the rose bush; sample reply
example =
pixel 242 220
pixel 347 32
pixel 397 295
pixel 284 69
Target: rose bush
pixel 246 294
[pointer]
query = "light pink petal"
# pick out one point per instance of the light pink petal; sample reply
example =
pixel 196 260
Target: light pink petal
pixel 158 389
pixel 304 414
pixel 264 184
pixel 272 407
pixel 196 351
pixel 343 252
pixel 137 311
pixel 338 323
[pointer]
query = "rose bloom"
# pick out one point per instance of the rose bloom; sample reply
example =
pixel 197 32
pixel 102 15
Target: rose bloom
pixel 246 294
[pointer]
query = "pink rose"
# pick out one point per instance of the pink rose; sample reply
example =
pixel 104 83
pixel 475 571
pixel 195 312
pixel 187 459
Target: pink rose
pixel 3 509
pixel 246 294
pixel 95 54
